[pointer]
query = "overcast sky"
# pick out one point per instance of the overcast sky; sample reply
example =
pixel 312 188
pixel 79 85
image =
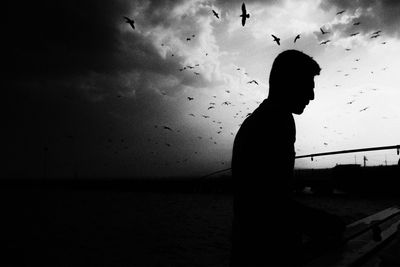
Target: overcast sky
pixel 87 94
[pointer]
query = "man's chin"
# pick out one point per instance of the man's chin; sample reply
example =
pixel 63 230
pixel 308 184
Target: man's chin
pixel 298 110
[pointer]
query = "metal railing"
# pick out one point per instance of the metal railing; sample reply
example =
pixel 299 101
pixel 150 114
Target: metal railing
pixel 397 147
pixel 350 151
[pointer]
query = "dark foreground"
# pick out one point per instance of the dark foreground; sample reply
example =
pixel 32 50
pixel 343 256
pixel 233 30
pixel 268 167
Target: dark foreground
pixel 126 223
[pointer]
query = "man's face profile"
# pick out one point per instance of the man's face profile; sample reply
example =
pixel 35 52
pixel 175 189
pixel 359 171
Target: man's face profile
pixel 292 80
pixel 303 95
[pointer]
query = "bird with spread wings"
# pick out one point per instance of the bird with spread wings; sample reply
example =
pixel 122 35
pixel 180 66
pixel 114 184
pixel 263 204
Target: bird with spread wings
pixel 130 22
pixel 276 39
pixel 244 14
pixel 215 14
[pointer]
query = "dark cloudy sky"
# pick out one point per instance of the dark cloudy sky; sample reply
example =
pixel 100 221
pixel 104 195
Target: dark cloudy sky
pixel 87 94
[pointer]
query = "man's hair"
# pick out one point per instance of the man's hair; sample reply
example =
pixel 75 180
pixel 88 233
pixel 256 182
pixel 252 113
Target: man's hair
pixel 288 69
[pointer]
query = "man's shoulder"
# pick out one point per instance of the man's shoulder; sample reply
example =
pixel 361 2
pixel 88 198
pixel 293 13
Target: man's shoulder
pixel 254 125
pixel 262 116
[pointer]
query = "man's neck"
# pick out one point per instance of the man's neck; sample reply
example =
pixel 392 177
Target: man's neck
pixel 279 104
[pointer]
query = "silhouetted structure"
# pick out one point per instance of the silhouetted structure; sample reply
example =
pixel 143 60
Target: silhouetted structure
pixel 268 224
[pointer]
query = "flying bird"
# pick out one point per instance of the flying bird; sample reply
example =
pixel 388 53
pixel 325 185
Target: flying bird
pixel 167 128
pixel 340 12
pixel 130 22
pixel 215 14
pixel 322 31
pixel 188 39
pixel 354 34
pixel 325 42
pixel 276 39
pixel 253 81
pixel 296 38
pixel 377 32
pixel 347 49
pixel 210 107
pixel 190 98
pixel 191 114
pixel 244 14
pixel 375 36
pixel 356 23
pixel 204 116
pixel 364 109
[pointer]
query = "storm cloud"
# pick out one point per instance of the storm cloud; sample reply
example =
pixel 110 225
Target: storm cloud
pixel 77 69
pixel 78 76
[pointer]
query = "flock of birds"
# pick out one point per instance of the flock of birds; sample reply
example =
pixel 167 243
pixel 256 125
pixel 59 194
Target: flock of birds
pixel 240 113
pixel 245 15
pixel 218 127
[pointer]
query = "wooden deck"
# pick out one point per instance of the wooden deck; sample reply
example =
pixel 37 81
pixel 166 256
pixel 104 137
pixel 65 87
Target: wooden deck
pixel 372 241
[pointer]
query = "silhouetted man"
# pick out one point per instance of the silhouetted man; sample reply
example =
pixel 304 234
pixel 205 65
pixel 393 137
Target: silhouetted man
pixel 268 225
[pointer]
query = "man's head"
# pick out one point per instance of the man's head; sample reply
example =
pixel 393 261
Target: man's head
pixel 291 81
